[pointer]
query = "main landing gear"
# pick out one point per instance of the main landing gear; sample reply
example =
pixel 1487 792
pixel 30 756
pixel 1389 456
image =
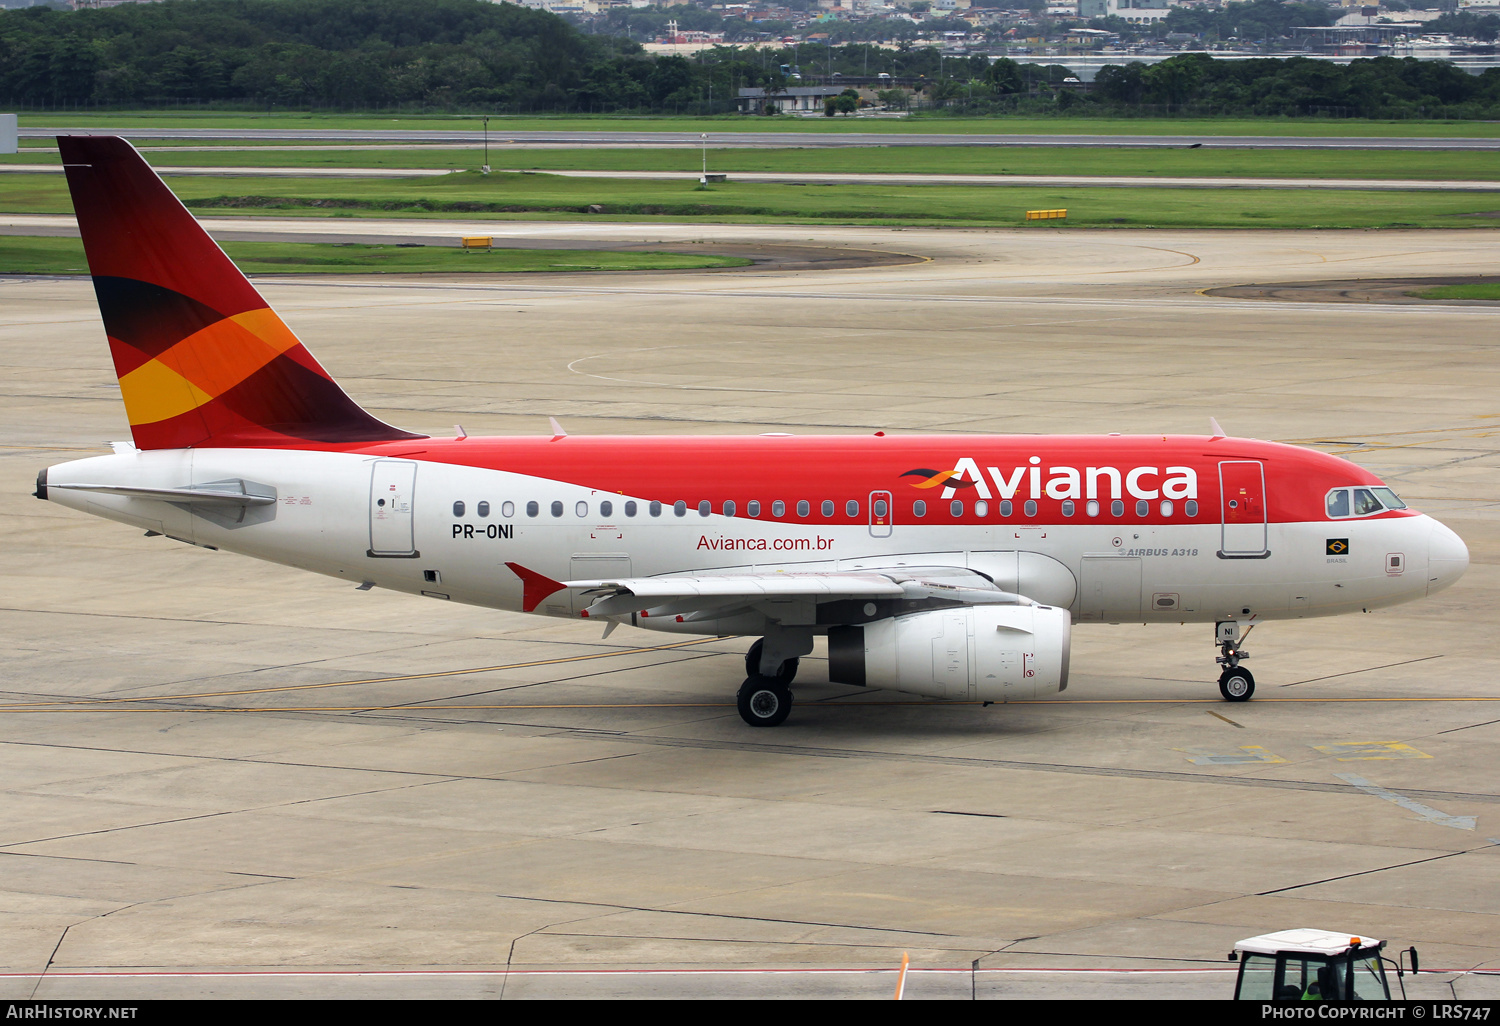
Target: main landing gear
pixel 1236 683
pixel 765 699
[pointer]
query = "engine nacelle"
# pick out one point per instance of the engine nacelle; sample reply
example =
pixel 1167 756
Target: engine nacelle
pixel 999 653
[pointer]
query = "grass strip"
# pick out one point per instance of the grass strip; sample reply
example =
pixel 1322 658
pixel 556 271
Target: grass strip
pixel 919 123
pixel 989 160
pixel 38 255
pixel 1485 290
pixel 541 196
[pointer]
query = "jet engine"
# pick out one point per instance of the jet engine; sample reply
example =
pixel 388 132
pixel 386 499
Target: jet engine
pixel 989 653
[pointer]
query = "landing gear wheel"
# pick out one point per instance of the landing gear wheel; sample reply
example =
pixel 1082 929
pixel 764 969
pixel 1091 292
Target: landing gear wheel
pixel 763 701
pixel 1236 684
pixel 752 666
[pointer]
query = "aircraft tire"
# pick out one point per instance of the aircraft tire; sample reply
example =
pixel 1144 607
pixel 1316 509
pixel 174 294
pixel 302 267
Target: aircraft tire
pixel 764 701
pixel 1236 684
pixel 752 665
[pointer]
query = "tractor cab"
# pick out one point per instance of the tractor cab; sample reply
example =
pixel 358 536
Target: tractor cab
pixel 1312 965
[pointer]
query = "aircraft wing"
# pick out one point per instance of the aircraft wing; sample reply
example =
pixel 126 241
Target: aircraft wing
pixel 710 596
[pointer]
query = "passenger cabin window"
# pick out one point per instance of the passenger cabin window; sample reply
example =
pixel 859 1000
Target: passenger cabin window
pixel 1005 507
pixel 1190 507
pixel 1030 507
pixel 606 508
pixel 532 509
pixel 1067 507
pixel 655 508
pixel 981 508
pixel 956 507
pixel 1091 507
pixel 803 508
pixel 729 507
pixel 582 509
pixel 507 509
pixel 919 508
pixel 880 507
pixel 752 508
pixel 458 508
pixel 679 508
pixel 704 509
pixel 557 508
pixel 483 509
pixel 1142 508
pixel 778 508
pixel 1117 508
pixel 828 507
pixel 630 508
pixel 851 508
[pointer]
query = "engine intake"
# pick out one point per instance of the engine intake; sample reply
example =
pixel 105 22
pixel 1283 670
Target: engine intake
pixel 989 653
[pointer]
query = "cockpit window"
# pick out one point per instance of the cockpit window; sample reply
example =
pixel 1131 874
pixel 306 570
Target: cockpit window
pixel 1360 502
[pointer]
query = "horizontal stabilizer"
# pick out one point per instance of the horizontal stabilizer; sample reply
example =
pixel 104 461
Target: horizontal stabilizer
pixel 193 496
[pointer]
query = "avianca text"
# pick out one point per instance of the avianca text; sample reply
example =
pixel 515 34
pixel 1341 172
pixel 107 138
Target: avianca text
pixel 1073 483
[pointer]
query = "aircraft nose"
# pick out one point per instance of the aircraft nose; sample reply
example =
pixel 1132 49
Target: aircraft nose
pixel 1447 557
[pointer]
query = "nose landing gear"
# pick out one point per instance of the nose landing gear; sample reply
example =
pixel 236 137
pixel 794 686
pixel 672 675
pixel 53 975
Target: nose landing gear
pixel 1236 683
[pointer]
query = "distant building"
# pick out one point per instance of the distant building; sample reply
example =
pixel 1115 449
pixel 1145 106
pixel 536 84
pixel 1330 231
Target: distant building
pixel 789 100
pixel 689 37
pixel 1138 12
pixel 561 6
pixel 1088 37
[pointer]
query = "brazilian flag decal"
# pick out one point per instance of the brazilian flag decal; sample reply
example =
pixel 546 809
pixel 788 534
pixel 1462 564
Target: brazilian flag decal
pixel 1338 546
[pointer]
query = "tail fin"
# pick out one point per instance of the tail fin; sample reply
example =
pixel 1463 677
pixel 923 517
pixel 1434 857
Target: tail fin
pixel 202 359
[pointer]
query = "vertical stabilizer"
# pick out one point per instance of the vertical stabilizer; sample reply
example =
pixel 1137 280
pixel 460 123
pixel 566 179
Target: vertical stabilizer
pixel 202 359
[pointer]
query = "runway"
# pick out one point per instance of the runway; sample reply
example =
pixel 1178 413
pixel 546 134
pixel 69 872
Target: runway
pixel 772 136
pixel 1070 181
pixel 221 777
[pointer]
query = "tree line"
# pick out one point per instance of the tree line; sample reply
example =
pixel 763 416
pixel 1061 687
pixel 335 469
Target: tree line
pixel 482 57
pixel 1379 87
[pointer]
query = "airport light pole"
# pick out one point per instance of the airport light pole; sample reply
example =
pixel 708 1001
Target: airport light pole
pixel 486 168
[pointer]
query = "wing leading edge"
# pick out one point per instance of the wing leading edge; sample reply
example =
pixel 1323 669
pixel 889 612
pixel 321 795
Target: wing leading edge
pixel 813 598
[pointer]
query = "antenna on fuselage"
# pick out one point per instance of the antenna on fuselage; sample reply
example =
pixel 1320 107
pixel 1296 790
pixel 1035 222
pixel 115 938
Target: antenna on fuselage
pixel 557 429
pixel 1218 431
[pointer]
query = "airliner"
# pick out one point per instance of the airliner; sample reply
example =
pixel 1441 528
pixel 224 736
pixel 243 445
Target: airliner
pixel 946 566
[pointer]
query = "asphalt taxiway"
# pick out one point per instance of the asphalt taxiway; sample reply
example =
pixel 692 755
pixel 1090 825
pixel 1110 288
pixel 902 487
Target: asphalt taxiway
pixel 874 178
pixel 222 777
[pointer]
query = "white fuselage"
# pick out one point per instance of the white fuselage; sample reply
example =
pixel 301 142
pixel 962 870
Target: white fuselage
pixel 392 523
